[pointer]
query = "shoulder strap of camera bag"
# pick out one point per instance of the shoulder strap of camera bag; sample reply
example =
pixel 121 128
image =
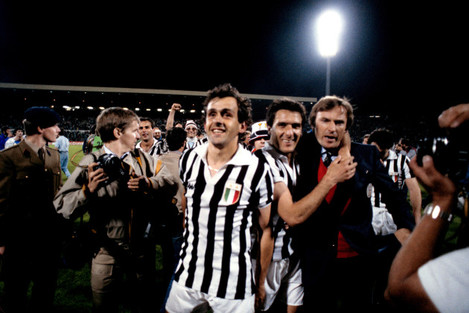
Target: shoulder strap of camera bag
pixel 158 166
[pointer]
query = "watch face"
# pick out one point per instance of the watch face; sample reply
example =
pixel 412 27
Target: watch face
pixel 436 212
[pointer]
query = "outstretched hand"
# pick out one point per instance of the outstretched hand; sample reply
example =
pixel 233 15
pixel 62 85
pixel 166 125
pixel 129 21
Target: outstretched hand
pixel 454 116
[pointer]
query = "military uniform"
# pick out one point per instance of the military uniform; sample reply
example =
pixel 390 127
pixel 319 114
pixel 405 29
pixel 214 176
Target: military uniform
pixel 28 221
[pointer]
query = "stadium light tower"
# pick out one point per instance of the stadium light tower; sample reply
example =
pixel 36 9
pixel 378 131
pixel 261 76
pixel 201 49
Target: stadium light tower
pixel 328 30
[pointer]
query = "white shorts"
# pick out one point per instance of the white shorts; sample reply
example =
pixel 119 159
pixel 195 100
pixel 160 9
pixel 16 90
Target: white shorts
pixel 284 282
pixel 183 300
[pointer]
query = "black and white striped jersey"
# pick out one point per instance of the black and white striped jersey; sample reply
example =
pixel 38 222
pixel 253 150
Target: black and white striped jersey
pixel 216 253
pixel 281 172
pixel 152 150
pixel 158 147
pixel 397 166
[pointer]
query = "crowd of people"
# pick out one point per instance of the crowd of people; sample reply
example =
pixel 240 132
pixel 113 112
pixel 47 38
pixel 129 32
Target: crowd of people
pixel 288 213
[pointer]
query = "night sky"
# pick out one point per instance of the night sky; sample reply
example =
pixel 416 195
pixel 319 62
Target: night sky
pixel 393 56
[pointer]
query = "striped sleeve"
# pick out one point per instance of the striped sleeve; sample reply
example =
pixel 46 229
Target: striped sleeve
pixel 265 186
pixel 405 167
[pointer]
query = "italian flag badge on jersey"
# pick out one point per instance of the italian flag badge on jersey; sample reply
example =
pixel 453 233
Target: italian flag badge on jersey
pixel 232 193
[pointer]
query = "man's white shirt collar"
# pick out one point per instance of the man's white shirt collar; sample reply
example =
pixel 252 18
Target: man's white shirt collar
pixel 241 157
pixel 107 150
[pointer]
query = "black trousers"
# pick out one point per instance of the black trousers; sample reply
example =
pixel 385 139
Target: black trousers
pixel 339 285
pixel 23 266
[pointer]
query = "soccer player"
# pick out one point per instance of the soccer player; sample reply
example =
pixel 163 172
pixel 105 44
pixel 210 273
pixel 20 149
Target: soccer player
pixel 225 188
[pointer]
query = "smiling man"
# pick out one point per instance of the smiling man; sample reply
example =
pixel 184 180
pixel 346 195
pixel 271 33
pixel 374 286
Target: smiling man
pixel 226 187
pixel 147 142
pixel 285 120
pixel 282 278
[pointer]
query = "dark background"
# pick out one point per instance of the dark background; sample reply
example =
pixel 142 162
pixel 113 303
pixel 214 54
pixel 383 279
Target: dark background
pixel 396 57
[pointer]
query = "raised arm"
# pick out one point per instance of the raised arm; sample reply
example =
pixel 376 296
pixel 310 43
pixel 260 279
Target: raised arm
pixel 404 286
pixel 170 121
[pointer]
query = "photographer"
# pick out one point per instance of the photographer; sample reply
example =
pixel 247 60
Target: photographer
pixel 118 186
pixel 418 281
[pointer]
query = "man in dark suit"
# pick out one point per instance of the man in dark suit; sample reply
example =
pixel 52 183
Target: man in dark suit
pixel 337 241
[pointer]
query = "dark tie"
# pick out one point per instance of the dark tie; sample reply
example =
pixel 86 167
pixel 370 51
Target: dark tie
pixel 40 153
pixel 328 159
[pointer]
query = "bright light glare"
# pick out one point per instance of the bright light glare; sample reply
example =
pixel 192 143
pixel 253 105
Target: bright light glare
pixel 328 30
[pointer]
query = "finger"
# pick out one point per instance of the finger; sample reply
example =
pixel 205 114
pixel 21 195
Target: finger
pixel 102 179
pixel 91 167
pixel 97 174
pixel 453 116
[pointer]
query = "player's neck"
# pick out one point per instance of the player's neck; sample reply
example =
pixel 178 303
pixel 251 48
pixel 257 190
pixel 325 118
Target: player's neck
pixel 217 157
pixel 146 144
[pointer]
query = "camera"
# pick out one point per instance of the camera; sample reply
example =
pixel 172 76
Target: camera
pixel 450 153
pixel 112 166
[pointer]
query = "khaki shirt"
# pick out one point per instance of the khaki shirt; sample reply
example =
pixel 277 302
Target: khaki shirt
pixel 113 208
pixel 27 188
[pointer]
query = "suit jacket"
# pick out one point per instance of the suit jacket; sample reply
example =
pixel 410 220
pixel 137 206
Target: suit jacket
pixel 320 232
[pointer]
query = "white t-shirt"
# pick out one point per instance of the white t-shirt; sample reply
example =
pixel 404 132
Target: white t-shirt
pixel 446 281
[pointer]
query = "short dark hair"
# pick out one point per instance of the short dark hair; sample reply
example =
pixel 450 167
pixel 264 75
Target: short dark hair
pixel 382 137
pixel 175 138
pixel 147 119
pixel 328 103
pixel 285 104
pixel 111 118
pixel 226 90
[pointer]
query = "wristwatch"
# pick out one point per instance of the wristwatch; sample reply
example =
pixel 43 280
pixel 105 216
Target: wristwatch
pixel 434 211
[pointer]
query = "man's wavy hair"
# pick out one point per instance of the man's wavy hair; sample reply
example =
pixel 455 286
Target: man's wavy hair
pixel 226 90
pixel 285 104
pixel 328 103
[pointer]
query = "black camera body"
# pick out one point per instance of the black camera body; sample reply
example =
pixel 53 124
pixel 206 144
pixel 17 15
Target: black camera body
pixel 112 166
pixel 450 153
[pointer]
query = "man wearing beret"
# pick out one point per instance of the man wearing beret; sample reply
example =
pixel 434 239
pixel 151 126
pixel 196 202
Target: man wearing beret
pixel 29 178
